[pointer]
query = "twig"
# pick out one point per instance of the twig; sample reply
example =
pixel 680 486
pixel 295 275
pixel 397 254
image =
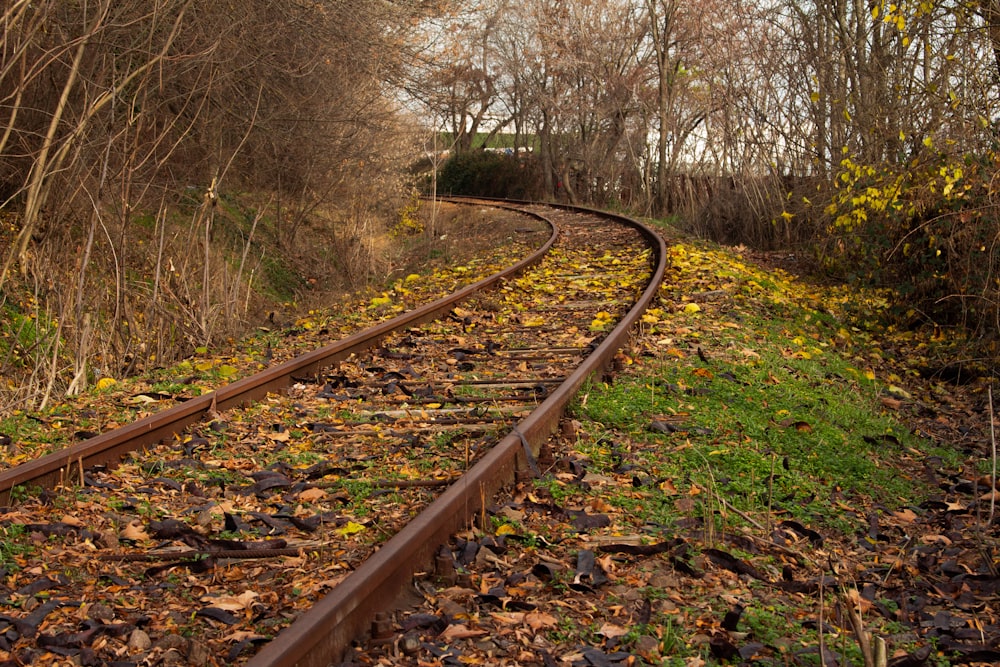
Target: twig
pixel 756 524
pixel 822 608
pixel 195 554
pixel 393 483
pixel 770 493
pixel 993 443
pixel 857 625
pixel 799 557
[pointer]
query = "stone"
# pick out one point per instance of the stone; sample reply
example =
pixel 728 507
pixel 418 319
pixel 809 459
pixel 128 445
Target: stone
pixel 139 640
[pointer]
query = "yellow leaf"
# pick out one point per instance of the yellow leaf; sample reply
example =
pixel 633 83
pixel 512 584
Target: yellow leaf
pixel 351 528
pixel 898 392
pixel 412 277
pixel 104 383
pixel 692 308
pixel 506 529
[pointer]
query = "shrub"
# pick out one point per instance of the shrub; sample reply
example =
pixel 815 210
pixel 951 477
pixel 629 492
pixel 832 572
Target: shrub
pixel 489 174
pixel 927 229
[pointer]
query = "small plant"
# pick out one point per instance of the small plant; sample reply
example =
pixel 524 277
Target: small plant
pixel 409 221
pixel 13 545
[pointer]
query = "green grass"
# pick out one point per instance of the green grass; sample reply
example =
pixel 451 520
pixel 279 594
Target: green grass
pixel 793 428
pixel 13 543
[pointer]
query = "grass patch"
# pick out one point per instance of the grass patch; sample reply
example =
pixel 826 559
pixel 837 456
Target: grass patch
pixel 763 411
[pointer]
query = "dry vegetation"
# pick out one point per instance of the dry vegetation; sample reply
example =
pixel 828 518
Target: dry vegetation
pixel 163 164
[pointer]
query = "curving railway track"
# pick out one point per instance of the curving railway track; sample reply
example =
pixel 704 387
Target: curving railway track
pixel 270 522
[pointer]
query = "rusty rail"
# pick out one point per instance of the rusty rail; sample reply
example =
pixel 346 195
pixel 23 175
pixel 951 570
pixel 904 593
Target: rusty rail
pixel 68 463
pixel 321 635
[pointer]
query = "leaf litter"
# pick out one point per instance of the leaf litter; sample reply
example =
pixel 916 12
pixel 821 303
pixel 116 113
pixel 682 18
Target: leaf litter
pixel 199 549
pixel 772 478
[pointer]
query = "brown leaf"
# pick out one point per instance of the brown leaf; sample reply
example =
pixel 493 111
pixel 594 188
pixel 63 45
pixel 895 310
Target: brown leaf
pixel 510 618
pixel 610 630
pixel 460 631
pixel 312 495
pixel 890 403
pixel 135 531
pixel 231 603
pixel 538 620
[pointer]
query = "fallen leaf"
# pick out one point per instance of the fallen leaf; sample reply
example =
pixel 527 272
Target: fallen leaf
pixel 231 603
pixel 135 531
pixel 538 620
pixel 610 630
pixel 510 618
pixel 667 486
pixel 351 528
pixel 312 495
pixel 890 403
pixel 460 631
pixel 106 382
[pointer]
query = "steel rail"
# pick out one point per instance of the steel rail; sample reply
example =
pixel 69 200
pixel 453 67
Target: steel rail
pixel 69 463
pixel 321 635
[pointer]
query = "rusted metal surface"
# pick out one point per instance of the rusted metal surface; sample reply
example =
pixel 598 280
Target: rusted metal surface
pixel 110 447
pixel 321 635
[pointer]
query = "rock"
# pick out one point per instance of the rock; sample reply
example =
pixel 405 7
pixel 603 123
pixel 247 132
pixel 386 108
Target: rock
pixel 172 657
pixel 107 539
pixel 410 645
pixel 100 612
pixel 663 580
pixel 648 647
pixel 139 640
pixel 173 642
pixel 199 654
pixel 486 646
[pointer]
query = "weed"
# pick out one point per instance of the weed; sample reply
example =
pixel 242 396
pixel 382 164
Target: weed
pixel 13 545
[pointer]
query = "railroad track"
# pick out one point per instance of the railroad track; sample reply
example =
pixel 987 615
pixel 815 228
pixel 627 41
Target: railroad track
pixel 269 522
